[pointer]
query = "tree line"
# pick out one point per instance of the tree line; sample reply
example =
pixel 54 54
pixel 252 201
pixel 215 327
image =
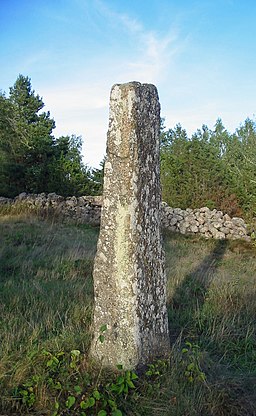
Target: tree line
pixel 211 168
pixel 33 160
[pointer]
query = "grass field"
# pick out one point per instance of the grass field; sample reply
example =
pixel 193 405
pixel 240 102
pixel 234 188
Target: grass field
pixel 46 299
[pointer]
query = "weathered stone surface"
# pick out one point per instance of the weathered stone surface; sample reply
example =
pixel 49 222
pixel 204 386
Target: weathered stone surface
pixel 194 229
pixel 226 217
pixel 4 201
pixel 129 276
pixel 201 220
pixel 173 221
pixel 238 221
pixel 204 209
pixel 225 230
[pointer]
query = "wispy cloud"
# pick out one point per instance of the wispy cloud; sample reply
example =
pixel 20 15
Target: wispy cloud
pixel 131 24
pixel 152 51
pixel 80 104
pixel 82 108
pixel 77 96
pixel 154 57
pixel 29 60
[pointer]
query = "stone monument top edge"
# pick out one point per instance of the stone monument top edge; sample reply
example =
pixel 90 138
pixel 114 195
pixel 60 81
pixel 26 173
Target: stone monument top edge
pixel 135 84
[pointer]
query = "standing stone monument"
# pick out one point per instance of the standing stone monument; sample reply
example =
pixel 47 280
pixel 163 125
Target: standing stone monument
pixel 129 272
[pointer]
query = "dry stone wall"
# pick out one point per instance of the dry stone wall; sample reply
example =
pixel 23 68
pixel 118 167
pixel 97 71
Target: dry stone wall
pixel 203 221
pixel 84 209
pixel 87 209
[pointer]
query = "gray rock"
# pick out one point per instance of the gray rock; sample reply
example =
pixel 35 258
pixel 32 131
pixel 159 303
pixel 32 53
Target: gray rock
pixel 194 229
pixel 226 217
pixel 204 209
pixel 4 201
pixel 129 276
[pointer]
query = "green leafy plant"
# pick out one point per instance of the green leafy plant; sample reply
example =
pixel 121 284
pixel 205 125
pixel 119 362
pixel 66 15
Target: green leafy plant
pixel 191 363
pixel 105 398
pixel 124 382
pixel 75 358
pixel 154 373
pixel 76 392
pixel 103 329
pixel 158 368
pixel 26 393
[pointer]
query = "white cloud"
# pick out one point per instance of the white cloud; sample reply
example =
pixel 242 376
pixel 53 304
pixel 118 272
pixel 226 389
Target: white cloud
pixel 152 52
pixel 131 24
pixel 154 56
pixel 152 60
pixel 191 115
pixel 82 108
pixel 87 125
pixel 77 96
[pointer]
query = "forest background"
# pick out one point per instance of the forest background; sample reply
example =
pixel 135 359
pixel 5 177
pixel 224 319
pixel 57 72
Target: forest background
pixel 213 168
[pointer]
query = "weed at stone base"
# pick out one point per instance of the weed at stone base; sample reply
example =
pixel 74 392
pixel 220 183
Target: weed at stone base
pixel 74 391
pixel 191 363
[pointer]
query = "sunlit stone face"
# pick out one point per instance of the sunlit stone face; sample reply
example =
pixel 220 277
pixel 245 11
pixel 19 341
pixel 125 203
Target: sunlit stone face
pixel 129 276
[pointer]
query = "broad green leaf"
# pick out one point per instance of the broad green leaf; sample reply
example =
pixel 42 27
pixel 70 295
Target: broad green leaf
pixel 70 401
pixel 117 412
pixel 102 413
pixel 78 389
pixel 103 328
pixel 96 395
pixel 120 380
pixel 130 384
pixel 56 406
pixel 112 404
pixel 134 376
pixel 87 403
pixel 83 405
pixel 58 386
pixel 75 353
pixel 121 389
pixel 91 401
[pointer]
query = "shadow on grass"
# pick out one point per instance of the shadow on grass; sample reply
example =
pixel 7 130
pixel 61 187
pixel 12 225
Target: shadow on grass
pixel 190 295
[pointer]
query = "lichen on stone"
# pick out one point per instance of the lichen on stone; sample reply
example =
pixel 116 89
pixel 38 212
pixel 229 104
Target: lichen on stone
pixel 130 287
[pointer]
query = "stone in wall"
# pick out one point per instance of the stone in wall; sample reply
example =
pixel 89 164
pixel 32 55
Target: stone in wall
pixel 5 201
pixel 87 209
pixel 205 222
pixel 129 275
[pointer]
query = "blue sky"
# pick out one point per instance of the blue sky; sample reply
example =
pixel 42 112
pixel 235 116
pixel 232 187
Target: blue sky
pixel 201 55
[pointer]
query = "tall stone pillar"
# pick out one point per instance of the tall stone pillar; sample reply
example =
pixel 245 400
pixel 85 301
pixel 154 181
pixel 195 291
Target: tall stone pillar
pixel 129 272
